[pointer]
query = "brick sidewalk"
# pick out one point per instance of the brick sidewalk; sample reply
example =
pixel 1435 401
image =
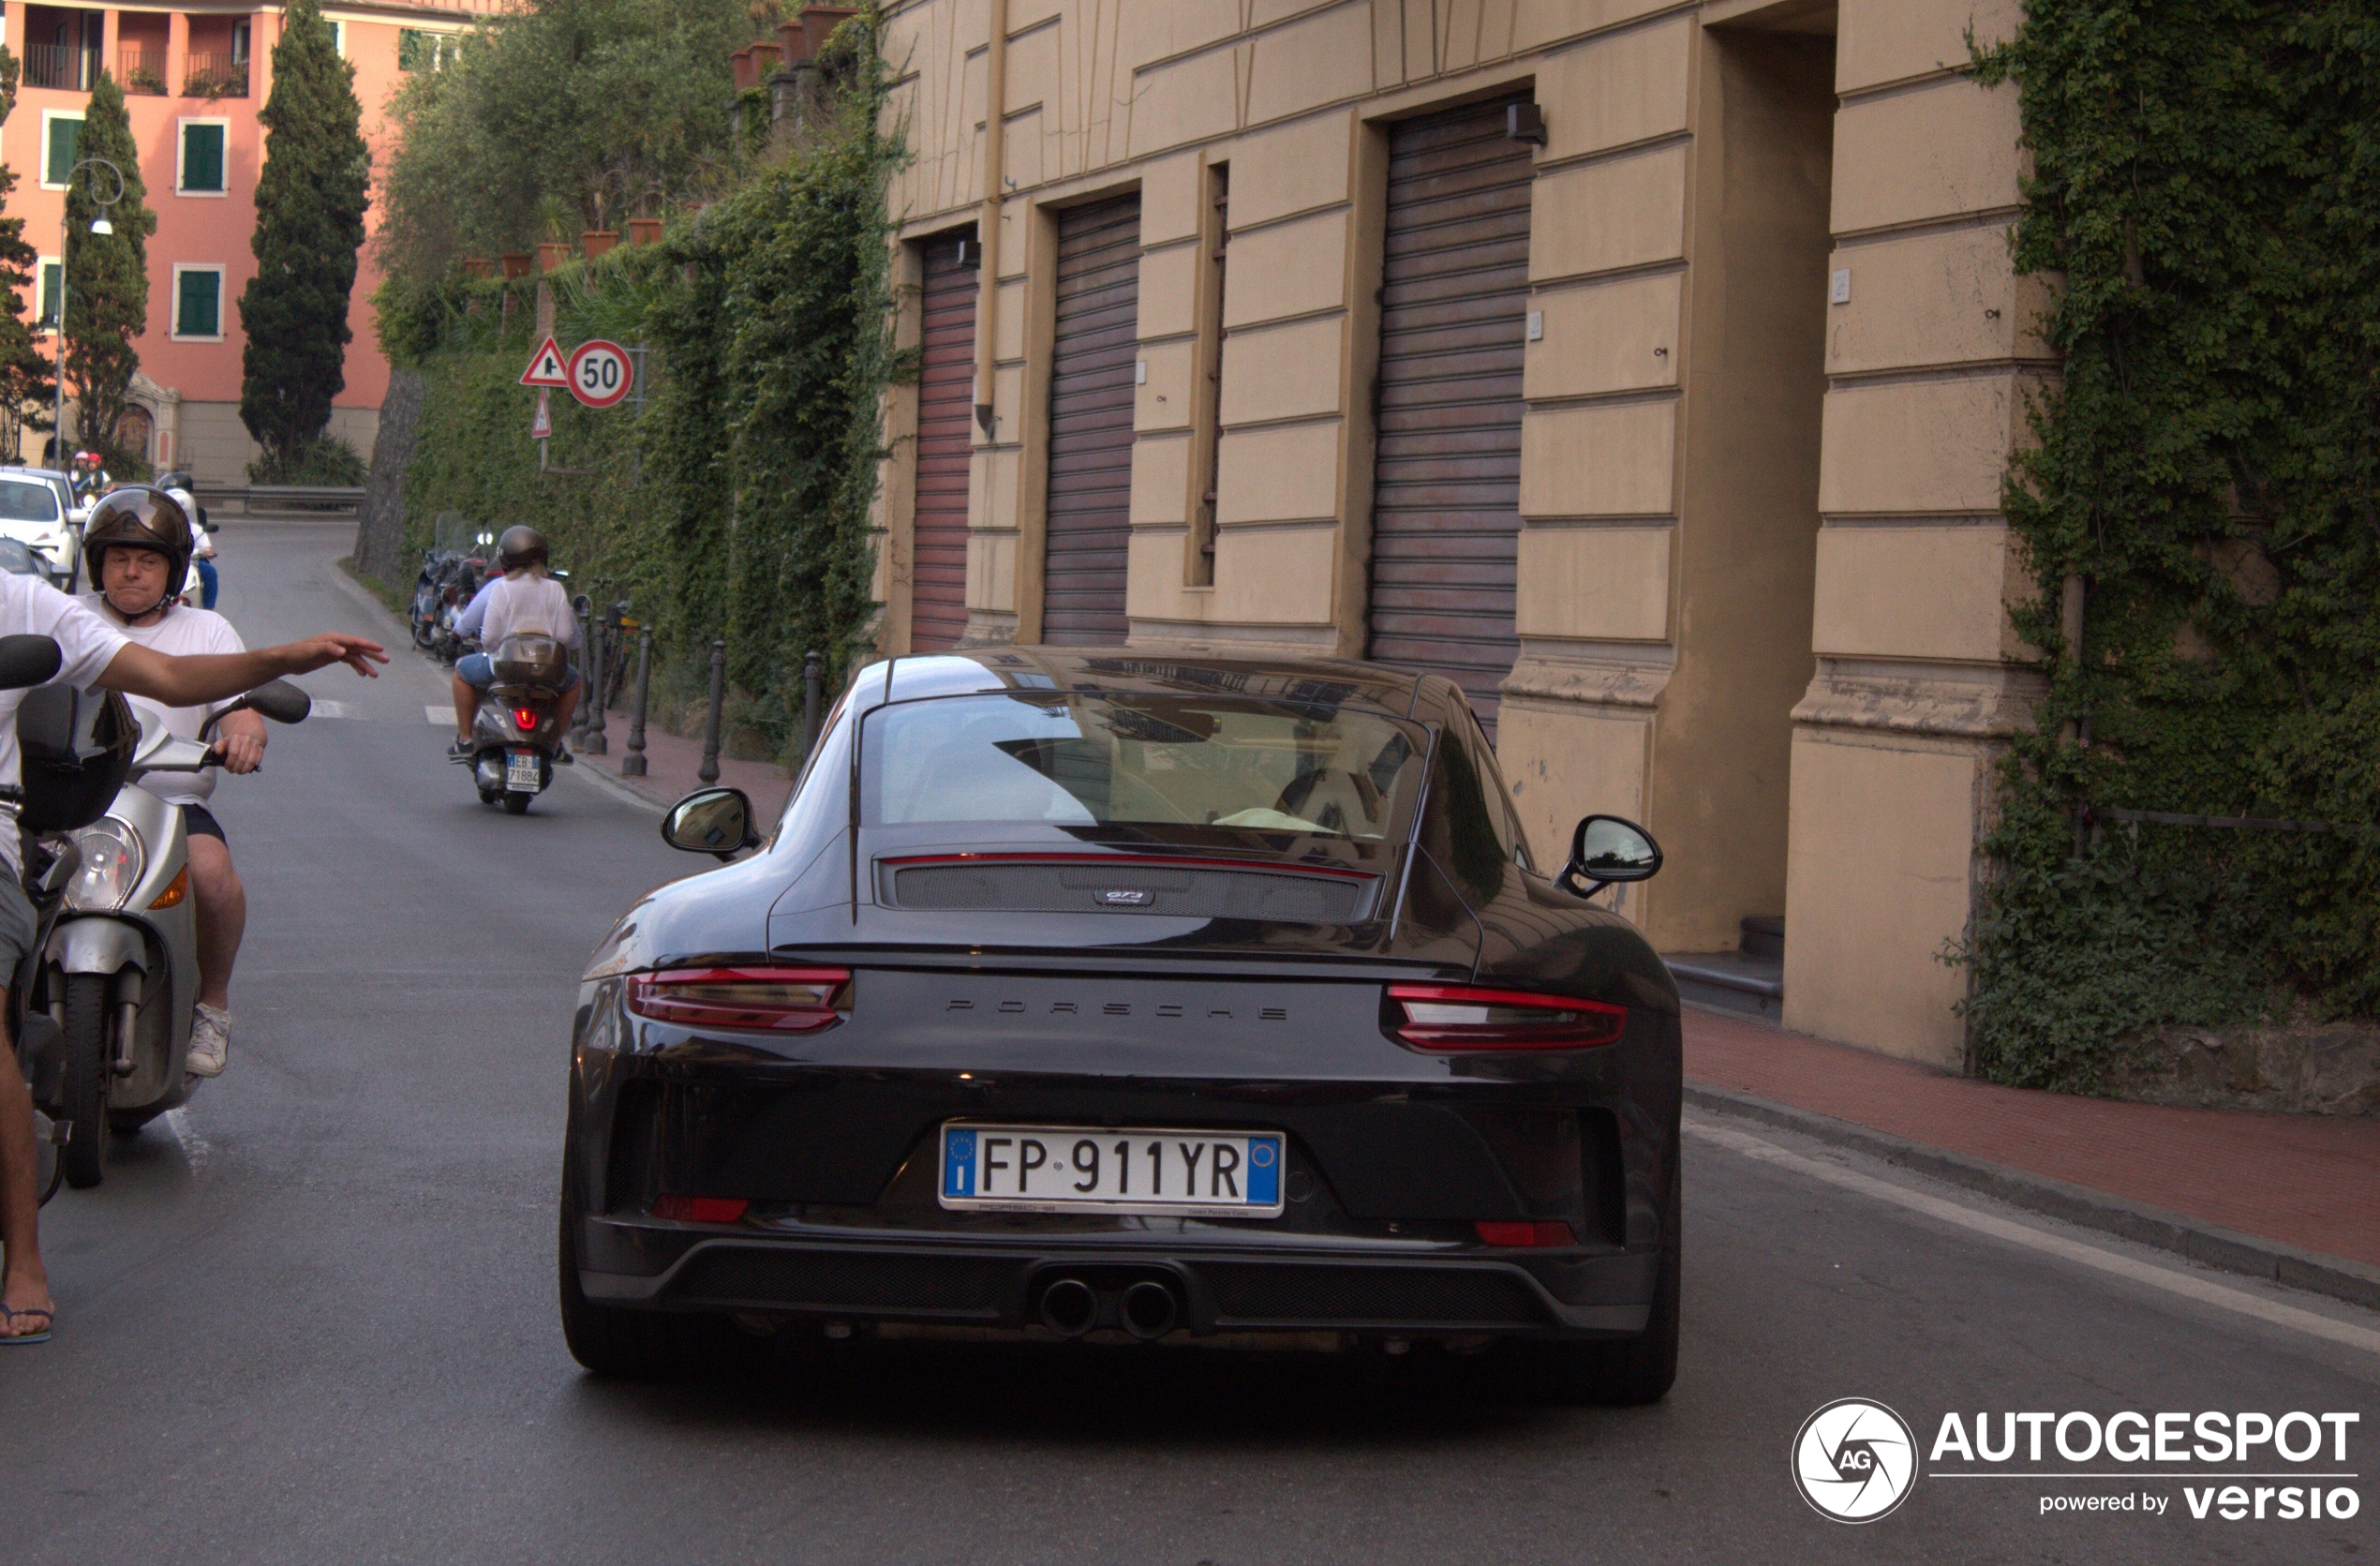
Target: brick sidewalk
pixel 671 764
pixel 2309 1181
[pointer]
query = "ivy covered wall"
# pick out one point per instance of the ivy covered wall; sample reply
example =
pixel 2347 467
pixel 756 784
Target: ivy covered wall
pixel 2206 185
pixel 734 500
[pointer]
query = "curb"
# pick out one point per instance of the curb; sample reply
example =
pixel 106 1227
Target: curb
pixel 2209 1244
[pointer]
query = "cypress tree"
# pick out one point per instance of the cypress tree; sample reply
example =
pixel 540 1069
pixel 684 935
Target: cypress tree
pixel 24 375
pixel 310 224
pixel 106 275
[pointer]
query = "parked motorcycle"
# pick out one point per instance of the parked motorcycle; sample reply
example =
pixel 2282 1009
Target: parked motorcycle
pixel 519 730
pixel 119 970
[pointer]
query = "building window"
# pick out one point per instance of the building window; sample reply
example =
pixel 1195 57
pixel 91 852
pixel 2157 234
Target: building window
pixel 198 171
pixel 51 276
pixel 198 303
pixel 59 132
pixel 418 50
pixel 338 39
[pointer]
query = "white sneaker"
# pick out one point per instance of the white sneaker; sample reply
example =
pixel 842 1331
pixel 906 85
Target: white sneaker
pixel 210 1042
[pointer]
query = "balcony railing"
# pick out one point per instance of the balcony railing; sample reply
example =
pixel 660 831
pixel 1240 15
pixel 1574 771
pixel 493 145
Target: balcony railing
pixel 216 76
pixel 61 66
pixel 141 70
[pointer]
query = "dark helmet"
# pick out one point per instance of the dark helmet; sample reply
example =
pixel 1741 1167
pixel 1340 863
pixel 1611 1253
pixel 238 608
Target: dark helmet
pixel 75 750
pixel 520 546
pixel 139 516
pixel 178 479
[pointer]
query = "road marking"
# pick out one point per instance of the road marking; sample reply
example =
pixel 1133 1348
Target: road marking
pixel 441 714
pixel 332 709
pixel 194 1146
pixel 2198 1288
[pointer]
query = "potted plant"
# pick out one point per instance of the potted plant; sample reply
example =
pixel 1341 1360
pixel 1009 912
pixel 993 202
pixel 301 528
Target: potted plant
pixel 644 231
pixel 515 264
pixel 597 241
pixel 478 266
pixel 818 22
pixel 554 217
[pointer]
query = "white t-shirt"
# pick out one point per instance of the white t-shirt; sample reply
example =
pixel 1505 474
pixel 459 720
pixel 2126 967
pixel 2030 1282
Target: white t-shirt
pixel 202 543
pixel 183 632
pixel 527 602
pixel 29 606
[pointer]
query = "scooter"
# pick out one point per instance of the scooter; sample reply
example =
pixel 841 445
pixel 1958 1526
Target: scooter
pixel 119 972
pixel 518 729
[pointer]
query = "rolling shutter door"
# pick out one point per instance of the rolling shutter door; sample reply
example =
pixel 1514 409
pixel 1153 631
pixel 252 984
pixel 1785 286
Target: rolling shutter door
pixel 945 416
pixel 1097 338
pixel 1454 295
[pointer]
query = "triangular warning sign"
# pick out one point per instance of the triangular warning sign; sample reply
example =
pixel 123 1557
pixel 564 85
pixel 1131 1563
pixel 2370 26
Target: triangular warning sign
pixel 547 367
pixel 541 426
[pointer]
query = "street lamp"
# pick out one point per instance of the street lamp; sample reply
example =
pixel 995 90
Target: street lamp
pixel 99 226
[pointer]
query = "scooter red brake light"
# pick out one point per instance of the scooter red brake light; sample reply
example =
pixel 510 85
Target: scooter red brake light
pixel 524 717
pixel 775 1000
pixel 1464 1017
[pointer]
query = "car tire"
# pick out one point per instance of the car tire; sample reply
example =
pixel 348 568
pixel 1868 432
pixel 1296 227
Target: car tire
pixel 641 1344
pixel 1629 1372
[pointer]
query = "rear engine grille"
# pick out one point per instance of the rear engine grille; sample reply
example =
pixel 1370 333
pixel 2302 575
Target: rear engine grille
pixel 1400 1295
pixel 842 1281
pixel 1282 898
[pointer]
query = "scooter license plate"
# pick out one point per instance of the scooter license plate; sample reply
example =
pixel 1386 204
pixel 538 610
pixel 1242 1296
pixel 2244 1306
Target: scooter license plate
pixel 521 774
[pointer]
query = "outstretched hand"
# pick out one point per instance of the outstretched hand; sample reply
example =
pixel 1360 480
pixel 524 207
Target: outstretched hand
pixel 318 652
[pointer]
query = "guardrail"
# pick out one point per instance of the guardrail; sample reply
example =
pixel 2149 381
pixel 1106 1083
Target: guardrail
pixel 264 499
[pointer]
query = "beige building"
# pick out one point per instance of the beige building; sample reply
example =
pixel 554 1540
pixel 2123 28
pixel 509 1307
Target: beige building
pixel 1649 367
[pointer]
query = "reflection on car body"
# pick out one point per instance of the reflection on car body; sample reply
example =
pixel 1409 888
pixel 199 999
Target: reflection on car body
pixel 1090 994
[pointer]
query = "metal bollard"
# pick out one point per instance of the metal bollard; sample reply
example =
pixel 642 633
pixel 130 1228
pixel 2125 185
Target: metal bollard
pixel 600 657
pixel 632 764
pixel 708 771
pixel 586 612
pixel 811 674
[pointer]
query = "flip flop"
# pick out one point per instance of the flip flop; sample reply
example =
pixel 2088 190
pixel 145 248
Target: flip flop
pixel 27 1340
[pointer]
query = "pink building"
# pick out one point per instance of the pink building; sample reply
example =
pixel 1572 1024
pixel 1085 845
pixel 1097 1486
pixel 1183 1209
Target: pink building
pixel 195 77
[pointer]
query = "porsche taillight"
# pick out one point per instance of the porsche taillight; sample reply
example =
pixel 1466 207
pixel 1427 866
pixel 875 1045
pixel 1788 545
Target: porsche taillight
pixel 1464 1017
pixel 774 1000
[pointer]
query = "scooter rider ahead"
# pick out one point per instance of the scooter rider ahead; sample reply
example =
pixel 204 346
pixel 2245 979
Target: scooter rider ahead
pixel 523 599
pixel 140 555
pixel 97 654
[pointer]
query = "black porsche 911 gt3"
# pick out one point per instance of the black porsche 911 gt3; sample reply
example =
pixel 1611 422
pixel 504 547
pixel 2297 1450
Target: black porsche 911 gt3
pixel 1100 994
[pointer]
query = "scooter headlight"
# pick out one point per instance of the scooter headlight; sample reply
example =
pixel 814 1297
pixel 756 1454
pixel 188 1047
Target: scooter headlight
pixel 112 861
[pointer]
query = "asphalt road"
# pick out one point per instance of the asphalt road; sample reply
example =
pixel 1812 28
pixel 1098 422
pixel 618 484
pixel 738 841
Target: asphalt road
pixel 313 1319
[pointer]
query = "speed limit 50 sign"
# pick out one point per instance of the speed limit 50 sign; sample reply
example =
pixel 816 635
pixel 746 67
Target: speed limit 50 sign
pixel 601 373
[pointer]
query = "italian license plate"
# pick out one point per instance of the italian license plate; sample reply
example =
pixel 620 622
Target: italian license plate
pixel 1068 1169
pixel 520 771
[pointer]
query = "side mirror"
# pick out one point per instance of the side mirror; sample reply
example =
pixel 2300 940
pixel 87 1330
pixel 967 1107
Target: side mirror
pixel 1607 849
pixel 28 661
pixel 280 701
pixel 714 821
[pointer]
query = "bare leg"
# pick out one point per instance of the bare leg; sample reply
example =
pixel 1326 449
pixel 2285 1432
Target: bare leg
pixel 24 1284
pixel 223 917
pixel 467 706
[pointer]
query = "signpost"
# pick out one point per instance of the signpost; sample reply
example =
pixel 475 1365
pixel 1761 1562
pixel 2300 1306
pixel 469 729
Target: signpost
pixel 547 366
pixel 601 373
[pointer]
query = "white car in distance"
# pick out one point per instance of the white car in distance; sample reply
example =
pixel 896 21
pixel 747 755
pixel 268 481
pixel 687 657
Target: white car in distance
pixel 34 510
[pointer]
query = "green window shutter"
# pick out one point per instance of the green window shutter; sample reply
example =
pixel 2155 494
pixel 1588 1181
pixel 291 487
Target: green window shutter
pixel 63 133
pixel 50 280
pixel 199 309
pixel 201 157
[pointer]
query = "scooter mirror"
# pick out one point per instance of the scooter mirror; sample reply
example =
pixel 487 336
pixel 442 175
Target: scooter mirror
pixel 280 701
pixel 28 661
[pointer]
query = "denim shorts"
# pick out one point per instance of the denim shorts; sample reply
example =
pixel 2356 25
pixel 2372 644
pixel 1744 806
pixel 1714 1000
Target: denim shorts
pixel 475 671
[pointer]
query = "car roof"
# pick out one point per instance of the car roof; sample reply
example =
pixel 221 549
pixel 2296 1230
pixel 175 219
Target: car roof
pixel 1143 671
pixel 18 471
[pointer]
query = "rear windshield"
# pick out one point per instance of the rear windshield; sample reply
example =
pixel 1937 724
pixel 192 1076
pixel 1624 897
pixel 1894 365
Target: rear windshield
pixel 27 500
pixel 1073 760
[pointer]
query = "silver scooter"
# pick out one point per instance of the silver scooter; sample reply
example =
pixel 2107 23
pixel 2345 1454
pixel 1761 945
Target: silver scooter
pixel 120 970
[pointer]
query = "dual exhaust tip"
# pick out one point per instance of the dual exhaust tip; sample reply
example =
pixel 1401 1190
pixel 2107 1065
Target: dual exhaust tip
pixel 1147 1309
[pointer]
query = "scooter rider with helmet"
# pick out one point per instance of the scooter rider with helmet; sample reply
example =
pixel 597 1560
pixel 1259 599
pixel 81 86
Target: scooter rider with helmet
pixel 138 561
pixel 522 599
pixel 96 653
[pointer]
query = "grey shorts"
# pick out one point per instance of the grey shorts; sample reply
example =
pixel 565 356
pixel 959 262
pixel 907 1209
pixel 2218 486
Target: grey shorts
pixel 16 925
